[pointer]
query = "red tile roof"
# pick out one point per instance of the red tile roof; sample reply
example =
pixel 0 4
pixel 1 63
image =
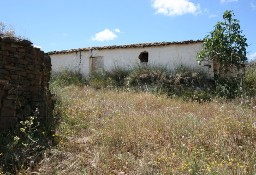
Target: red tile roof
pixel 140 45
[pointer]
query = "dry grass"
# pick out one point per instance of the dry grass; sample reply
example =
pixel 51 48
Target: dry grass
pixel 117 132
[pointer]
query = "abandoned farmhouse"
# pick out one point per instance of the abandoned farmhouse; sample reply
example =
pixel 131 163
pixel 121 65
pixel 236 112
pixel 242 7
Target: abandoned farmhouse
pixel 170 54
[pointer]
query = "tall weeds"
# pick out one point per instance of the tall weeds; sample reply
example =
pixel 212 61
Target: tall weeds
pixel 112 131
pixel 250 80
pixel 22 147
pixel 115 131
pixel 66 78
pixel 188 83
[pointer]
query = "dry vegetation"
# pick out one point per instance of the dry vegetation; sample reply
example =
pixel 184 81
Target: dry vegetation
pixel 118 132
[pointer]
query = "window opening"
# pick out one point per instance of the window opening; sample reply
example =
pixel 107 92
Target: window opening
pixel 143 57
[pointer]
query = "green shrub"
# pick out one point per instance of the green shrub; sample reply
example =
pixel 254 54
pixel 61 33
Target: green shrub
pixel 250 80
pixel 115 78
pixel 67 77
pixel 99 80
pixel 228 88
pixel 118 76
pixel 23 146
pixel 184 82
pixel 148 78
pixel 188 83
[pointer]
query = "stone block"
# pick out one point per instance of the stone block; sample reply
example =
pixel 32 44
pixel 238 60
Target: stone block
pixel 7 86
pixel 12 97
pixel 8 40
pixel 24 75
pixel 7 122
pixel 9 103
pixel 8 67
pixel 26 42
pixel 14 77
pixel 8 112
pixel 1 94
pixel 4 71
pixel 27 111
pixel 1 97
pixel 4 81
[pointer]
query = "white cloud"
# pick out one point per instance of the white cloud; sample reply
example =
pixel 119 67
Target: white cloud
pixel 213 15
pixel 105 35
pixel 252 4
pixel 252 56
pixel 175 7
pixel 209 14
pixel 226 1
pixel 117 30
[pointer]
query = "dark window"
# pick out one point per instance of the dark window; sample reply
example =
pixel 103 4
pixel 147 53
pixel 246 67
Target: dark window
pixel 143 57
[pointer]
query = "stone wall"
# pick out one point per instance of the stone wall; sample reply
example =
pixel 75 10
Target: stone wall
pixel 24 82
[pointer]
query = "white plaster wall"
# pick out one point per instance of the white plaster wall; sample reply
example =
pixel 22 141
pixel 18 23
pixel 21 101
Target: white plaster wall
pixel 171 56
pixel 71 61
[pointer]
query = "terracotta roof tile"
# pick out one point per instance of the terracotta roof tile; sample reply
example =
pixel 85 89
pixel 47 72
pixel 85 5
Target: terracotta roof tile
pixel 140 45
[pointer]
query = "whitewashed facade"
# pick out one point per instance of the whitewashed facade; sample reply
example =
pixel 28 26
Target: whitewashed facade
pixel 86 60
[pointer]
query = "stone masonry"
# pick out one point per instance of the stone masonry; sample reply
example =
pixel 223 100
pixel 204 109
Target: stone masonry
pixel 24 82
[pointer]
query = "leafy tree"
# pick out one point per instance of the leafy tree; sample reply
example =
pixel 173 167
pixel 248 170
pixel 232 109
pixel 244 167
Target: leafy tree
pixel 225 44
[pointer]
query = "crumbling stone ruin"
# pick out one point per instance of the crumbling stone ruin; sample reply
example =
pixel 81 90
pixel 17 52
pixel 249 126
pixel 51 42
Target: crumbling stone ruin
pixel 24 82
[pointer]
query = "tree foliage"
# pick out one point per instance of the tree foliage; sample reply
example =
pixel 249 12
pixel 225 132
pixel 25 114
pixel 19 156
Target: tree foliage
pixel 225 44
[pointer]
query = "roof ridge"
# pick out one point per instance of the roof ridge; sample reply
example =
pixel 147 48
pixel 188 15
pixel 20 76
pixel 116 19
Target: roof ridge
pixel 138 45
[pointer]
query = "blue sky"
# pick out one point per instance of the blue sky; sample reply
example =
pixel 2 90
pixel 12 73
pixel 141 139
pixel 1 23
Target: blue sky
pixel 65 24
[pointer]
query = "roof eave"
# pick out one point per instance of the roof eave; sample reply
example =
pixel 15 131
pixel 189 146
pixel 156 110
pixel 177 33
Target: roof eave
pixel 140 45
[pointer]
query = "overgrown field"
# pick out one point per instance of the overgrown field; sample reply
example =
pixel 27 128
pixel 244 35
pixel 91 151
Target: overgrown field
pixel 122 132
pixel 140 121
